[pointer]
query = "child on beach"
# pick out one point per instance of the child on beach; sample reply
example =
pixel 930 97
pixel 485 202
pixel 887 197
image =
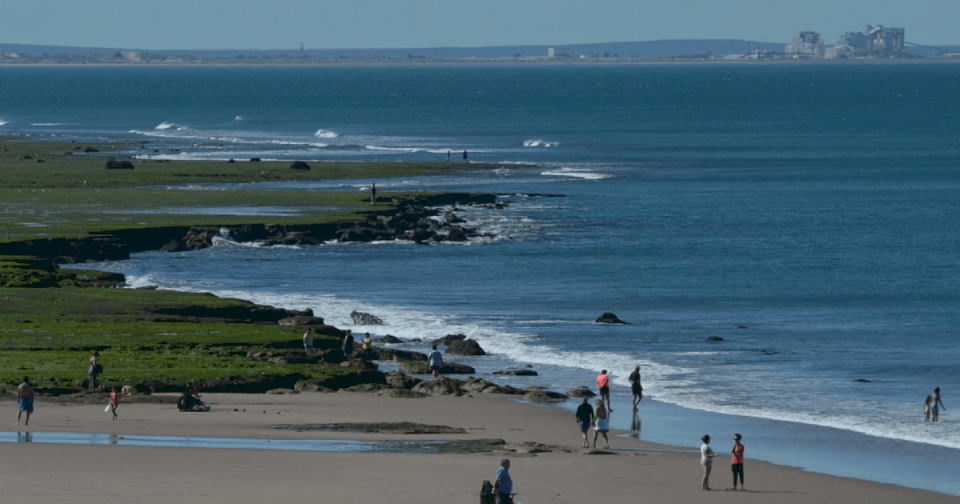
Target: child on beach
pixel 114 401
pixel 706 460
pixel 737 461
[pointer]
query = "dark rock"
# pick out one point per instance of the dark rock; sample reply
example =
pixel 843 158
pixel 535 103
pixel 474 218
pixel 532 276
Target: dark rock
pixel 299 165
pixel 440 386
pixel 301 320
pixel 360 318
pixel 401 381
pixel 544 396
pixel 715 338
pixel 609 318
pixel 90 149
pixel 465 347
pixel 114 164
pixel 580 392
pixel 450 338
pixel 395 355
pixel 862 380
pixel 473 384
pixel 389 340
pixel 423 367
pixel 255 160
pixel 516 372
pixel 502 389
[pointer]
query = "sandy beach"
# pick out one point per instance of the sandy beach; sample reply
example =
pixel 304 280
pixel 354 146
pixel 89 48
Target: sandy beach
pixel 40 472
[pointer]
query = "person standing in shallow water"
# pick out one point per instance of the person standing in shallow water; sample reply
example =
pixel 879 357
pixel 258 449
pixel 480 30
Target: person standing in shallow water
pixel 737 461
pixel 936 404
pixel 635 387
pixel 25 400
pixel 603 383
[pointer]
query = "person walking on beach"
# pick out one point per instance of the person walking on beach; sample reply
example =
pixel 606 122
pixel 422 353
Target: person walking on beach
pixel 93 371
pixel 584 417
pixel 436 360
pixel 25 400
pixel 601 425
pixel 114 402
pixel 365 344
pixel 503 484
pixel 448 156
pixel 936 405
pixel 348 344
pixel 464 155
pixel 308 341
pixel 603 383
pixel 737 461
pixel 373 194
pixel 706 460
pixel 635 387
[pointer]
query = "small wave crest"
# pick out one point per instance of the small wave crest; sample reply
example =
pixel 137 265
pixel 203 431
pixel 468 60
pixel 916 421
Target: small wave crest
pixel 322 133
pixel 168 126
pixel 4 122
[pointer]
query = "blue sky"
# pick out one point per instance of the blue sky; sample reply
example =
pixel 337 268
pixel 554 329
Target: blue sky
pixel 321 24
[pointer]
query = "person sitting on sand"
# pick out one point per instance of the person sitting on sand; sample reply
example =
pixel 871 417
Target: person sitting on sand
pixel 601 425
pixel 25 400
pixel 584 417
pixel 706 460
pixel 737 461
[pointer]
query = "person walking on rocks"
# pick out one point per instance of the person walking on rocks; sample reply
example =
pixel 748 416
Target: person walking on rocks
pixel 373 194
pixel 25 400
pixel 436 361
pixel 348 344
pixel 584 417
pixel 93 371
pixel 308 341
pixel 365 346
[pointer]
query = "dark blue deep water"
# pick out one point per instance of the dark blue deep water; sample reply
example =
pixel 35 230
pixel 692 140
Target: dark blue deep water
pixel 807 214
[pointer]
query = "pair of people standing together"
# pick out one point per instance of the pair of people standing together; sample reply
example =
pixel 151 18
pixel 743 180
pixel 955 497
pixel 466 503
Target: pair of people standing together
pixel 736 462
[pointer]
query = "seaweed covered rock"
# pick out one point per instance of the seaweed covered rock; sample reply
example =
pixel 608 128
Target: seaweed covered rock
pixel 440 386
pixel 609 318
pixel 544 396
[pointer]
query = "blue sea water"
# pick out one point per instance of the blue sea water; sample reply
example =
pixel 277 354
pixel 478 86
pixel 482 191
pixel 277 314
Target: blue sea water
pixel 806 214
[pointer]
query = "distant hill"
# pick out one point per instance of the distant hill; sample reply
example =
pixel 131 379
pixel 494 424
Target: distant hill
pixel 648 50
pixel 638 50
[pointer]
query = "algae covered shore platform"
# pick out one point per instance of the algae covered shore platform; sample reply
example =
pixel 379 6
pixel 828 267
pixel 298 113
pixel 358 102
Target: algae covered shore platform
pixel 66 203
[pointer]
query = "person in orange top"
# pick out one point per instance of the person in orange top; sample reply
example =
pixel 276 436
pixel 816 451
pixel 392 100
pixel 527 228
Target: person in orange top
pixel 603 382
pixel 737 462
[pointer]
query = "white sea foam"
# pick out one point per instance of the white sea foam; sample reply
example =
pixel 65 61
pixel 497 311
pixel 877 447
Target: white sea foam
pixel 167 125
pixel 321 133
pixel 47 124
pixel 239 118
pixel 4 122
pixel 539 143
pixel 576 173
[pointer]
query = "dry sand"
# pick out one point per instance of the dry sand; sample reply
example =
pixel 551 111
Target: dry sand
pixel 635 471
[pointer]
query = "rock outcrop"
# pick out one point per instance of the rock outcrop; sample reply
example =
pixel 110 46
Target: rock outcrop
pixel 609 318
pixel 465 347
pixel 360 318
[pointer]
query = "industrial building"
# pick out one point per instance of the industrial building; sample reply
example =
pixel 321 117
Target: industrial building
pixel 877 42
pixel 806 44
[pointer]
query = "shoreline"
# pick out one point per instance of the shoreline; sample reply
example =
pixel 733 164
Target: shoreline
pixel 559 474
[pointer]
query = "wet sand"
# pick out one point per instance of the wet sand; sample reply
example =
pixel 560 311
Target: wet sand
pixel 82 473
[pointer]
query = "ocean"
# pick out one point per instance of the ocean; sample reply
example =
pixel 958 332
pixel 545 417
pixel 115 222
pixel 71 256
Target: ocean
pixel 807 214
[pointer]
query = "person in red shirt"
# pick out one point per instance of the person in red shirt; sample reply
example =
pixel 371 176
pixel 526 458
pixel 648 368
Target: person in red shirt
pixel 737 462
pixel 114 401
pixel 603 382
